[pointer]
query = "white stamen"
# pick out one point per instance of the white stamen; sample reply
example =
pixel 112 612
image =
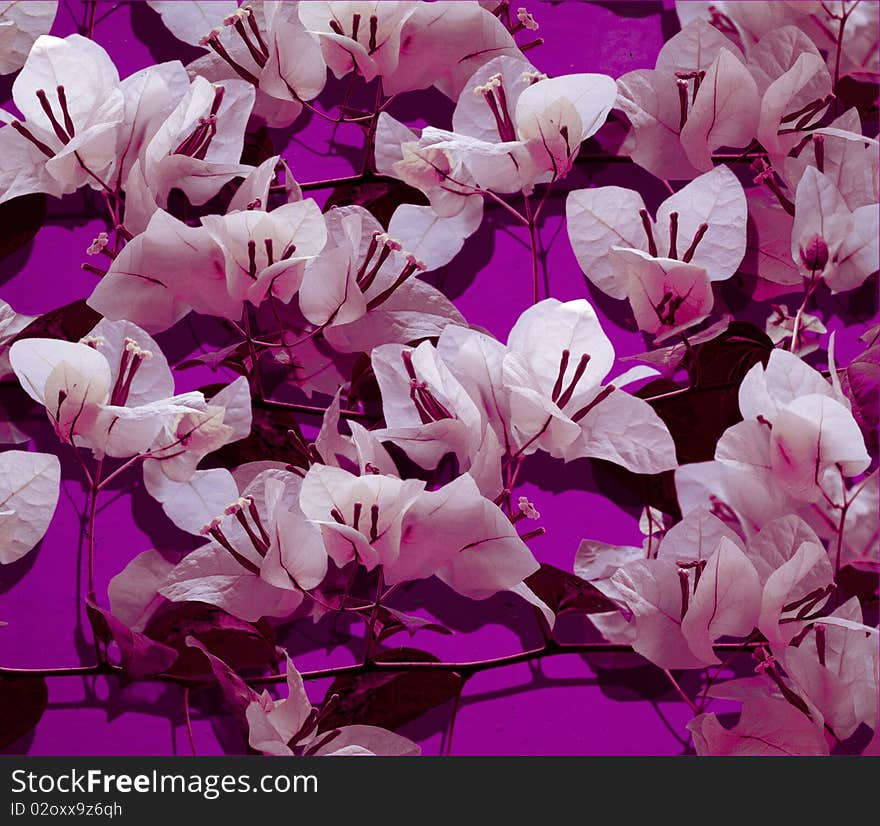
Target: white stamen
pixel 96 247
pixel 205 39
pixel 135 349
pixel 528 509
pixel 526 19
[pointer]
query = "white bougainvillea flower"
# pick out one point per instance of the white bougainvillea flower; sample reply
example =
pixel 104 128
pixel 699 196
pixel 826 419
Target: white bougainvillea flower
pixel 444 43
pixel 797 439
pixel 841 153
pixel 417 160
pixel 557 358
pixel 198 147
pixel 358 36
pixel 408 45
pixel 703 224
pixel 744 21
pixel 699 97
pixel 20 25
pixel 800 422
pixel 265 253
pixel 147 284
pixel 70 380
pixel 794 84
pixel 795 574
pixel 835 669
pixel 453 533
pixel 228 259
pixel 428 414
pixel 363 291
pixel 184 440
pixel 29 485
pixel 666 295
pixel 768 726
pixel 828 239
pixel 68 93
pixel 263 552
pixel 150 96
pixel 514 127
pixel 698 587
pixel 749 22
pixel 360 517
pixel 290 726
pixel 113 392
pixel 11 324
pixel 263 43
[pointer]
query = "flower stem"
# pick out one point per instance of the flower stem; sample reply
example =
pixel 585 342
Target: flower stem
pixel 533 247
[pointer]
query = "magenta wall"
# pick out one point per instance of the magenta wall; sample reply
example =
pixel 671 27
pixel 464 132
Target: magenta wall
pixel 561 706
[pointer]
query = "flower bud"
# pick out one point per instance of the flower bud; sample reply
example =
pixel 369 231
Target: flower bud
pixel 814 254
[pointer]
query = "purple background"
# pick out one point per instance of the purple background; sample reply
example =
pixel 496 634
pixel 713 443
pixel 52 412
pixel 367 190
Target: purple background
pixel 565 705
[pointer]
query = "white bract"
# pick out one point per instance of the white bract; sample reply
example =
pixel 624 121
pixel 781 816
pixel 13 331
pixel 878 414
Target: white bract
pixel 263 552
pixel 699 98
pixel 113 393
pixel 453 533
pixel 797 442
pixel 29 485
pixel 20 25
pixel 262 43
pixel 68 93
pixel 363 290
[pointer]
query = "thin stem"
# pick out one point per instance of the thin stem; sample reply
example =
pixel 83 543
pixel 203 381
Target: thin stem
pixel 186 714
pixel 533 247
pixel 314 410
pixel 456 707
pixel 332 183
pixel 121 469
pixel 799 315
pixel 90 25
pixel 374 618
pixel 840 529
pixel 93 512
pixel 502 203
pixel 680 691
pixel 256 376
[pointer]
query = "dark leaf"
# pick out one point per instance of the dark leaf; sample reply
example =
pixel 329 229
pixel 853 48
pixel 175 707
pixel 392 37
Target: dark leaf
pixel 233 356
pixel 726 358
pixel 858 582
pixel 861 94
pixel 391 699
pixel 22 703
pixel 235 690
pixel 70 322
pixel 257 147
pixel 20 219
pixel 240 644
pixel 566 593
pixel 379 197
pixel 861 384
pixel 391 622
pixel 268 439
pixel 140 656
pixel 698 415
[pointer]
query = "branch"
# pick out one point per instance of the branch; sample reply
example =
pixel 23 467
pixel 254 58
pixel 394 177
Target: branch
pixel 550 649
